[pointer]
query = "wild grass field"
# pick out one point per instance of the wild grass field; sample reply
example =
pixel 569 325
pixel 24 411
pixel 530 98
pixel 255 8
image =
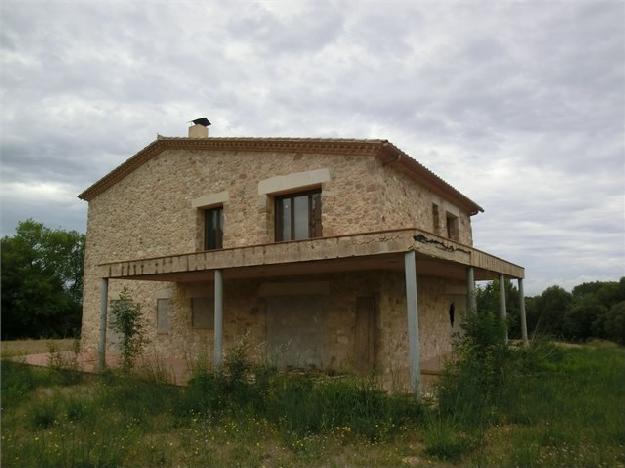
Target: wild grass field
pixel 542 406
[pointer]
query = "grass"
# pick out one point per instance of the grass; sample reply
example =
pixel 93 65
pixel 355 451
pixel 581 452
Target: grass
pixel 20 347
pixel 551 407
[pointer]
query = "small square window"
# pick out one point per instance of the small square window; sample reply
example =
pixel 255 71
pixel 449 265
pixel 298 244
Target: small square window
pixel 452 227
pixel 202 312
pixel 163 307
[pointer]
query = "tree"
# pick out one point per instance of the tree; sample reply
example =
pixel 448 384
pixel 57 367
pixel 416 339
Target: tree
pixel 488 297
pixel 551 307
pixel 613 323
pixel 579 319
pixel 42 271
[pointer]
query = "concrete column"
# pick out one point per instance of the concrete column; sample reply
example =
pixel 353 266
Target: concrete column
pixel 471 301
pixel 104 292
pixel 502 304
pixel 410 271
pixel 218 322
pixel 522 311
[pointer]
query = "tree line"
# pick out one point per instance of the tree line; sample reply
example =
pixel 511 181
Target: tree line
pixel 42 282
pixel 42 290
pixel 591 310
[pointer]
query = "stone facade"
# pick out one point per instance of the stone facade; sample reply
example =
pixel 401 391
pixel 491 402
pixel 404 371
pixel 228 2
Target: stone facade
pixel 151 212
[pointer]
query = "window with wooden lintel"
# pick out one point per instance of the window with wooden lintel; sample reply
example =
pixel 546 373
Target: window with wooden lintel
pixel 452 227
pixel 213 228
pixel 298 216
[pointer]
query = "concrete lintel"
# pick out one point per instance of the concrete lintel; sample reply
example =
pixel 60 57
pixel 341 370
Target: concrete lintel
pixel 211 199
pixel 293 181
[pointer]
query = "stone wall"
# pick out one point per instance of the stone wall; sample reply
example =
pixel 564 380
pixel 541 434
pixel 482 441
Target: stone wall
pixel 406 204
pixel 150 213
pixel 245 319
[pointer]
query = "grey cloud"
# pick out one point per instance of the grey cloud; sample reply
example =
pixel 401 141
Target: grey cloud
pixel 520 106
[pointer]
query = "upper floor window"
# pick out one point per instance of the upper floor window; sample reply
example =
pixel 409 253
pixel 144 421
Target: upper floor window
pixel 213 228
pixel 298 216
pixel 452 227
pixel 435 219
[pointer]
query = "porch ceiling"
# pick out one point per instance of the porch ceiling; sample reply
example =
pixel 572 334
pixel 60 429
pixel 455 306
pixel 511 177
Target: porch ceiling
pixel 384 250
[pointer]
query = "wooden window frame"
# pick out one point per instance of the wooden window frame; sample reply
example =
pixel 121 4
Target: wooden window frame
pixel 219 242
pixel 315 229
pixel 453 227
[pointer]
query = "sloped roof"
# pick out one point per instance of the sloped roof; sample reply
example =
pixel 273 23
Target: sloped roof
pixel 383 149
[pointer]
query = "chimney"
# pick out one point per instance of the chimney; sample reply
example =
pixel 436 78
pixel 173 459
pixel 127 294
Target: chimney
pixel 200 129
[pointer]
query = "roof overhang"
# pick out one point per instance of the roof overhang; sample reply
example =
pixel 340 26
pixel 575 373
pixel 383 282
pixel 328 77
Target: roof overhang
pixel 382 149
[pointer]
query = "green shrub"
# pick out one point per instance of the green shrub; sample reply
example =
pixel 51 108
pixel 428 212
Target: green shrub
pixel 613 323
pixel 128 321
pixel 44 413
pixel 297 404
pixel 19 380
pixel 445 441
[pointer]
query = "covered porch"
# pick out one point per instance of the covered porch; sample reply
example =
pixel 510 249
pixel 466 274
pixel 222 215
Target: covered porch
pixel 407 256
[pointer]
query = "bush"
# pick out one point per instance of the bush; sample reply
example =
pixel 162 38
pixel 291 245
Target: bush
pixel 44 413
pixel 130 324
pixel 578 320
pixel 613 323
pixel 475 389
pixel 298 405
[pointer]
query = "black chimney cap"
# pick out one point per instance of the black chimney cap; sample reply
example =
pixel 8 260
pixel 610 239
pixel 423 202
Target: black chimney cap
pixel 201 121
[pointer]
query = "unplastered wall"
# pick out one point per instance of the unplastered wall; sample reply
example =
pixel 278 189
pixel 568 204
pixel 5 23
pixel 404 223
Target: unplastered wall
pixel 245 313
pixel 150 212
pixel 434 297
pixel 408 204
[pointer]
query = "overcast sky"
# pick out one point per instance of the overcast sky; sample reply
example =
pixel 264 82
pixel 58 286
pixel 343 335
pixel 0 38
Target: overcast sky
pixel 519 105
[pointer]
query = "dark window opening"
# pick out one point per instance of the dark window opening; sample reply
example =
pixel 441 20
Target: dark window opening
pixel 452 314
pixel 162 315
pixel 202 312
pixel 298 216
pixel 435 218
pixel 452 227
pixel 213 228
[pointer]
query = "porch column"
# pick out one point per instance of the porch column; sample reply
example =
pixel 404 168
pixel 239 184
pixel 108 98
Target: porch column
pixel 502 304
pixel 410 271
pixel 471 304
pixel 522 311
pixel 104 292
pixel 218 322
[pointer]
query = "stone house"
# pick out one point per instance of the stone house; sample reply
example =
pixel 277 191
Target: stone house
pixel 329 253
